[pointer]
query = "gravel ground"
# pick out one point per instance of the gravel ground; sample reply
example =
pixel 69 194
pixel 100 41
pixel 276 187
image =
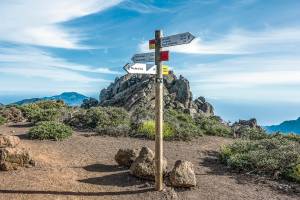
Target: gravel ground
pixel 84 168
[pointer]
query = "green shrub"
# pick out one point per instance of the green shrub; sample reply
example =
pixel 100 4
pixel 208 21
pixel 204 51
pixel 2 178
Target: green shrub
pixel 101 119
pixel 183 124
pixel 290 136
pixel 43 111
pixel 39 115
pixel 51 104
pixel 213 126
pixel 267 156
pixel 50 130
pixel 147 129
pixel 2 120
pixel 294 173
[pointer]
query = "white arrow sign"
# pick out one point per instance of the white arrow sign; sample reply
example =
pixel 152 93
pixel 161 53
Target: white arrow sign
pixel 173 40
pixel 143 57
pixel 140 68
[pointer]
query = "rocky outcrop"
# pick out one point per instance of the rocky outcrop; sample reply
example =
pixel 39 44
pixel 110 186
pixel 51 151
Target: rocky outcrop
pixel 242 127
pixel 125 157
pixel 134 90
pixel 11 156
pixel 144 164
pixel 183 174
pixel 8 141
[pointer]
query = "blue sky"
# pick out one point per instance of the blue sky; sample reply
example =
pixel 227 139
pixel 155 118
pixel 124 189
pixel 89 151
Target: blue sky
pixel 245 59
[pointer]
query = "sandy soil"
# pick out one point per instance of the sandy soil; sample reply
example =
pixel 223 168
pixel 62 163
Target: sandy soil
pixel 84 168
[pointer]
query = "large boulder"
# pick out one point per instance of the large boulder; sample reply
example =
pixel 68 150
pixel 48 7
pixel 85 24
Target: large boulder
pixel 12 158
pixel 125 157
pixel 144 165
pixel 133 91
pixel 9 141
pixel 183 174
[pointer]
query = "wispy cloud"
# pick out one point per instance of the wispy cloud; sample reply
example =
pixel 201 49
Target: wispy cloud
pixel 141 7
pixel 32 62
pixel 241 42
pixel 38 22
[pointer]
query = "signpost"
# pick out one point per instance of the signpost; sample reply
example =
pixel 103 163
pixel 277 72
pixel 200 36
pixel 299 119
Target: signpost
pixel 139 67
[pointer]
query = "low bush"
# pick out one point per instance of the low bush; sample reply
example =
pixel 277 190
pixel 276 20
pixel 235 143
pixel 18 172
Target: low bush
pixel 290 136
pixel 213 126
pixel 184 126
pixel 89 103
pixel 147 129
pixel 40 115
pixel 267 156
pixel 2 120
pixel 50 130
pixel 44 111
pixel 101 119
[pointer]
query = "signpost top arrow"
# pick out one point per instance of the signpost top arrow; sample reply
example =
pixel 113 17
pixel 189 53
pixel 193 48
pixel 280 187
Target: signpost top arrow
pixel 173 40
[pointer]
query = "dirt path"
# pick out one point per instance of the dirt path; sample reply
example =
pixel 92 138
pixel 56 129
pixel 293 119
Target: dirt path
pixel 84 168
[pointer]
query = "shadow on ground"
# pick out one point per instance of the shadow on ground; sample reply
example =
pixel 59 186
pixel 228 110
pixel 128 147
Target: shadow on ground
pixel 119 176
pixel 71 193
pixel 103 168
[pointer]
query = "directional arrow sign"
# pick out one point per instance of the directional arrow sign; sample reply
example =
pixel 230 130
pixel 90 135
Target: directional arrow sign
pixel 140 68
pixel 149 57
pixel 143 57
pixel 173 40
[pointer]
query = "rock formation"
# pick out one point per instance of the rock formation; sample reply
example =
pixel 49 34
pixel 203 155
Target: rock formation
pixel 11 156
pixel 132 91
pixel 183 174
pixel 144 164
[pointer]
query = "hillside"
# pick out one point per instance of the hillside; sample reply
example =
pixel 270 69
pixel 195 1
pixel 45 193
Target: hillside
pixel 292 126
pixel 70 98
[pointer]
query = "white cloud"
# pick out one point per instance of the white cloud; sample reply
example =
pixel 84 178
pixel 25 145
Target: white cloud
pixel 251 78
pixel 37 22
pixel 241 42
pixel 32 62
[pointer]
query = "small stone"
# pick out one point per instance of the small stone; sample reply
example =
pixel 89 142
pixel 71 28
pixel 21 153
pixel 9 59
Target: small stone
pixel 183 174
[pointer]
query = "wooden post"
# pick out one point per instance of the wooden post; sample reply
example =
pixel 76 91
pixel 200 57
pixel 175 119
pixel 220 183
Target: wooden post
pixel 159 114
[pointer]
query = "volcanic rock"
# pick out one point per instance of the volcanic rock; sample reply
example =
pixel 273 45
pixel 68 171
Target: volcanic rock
pixel 144 164
pixel 125 157
pixel 12 158
pixel 183 174
pixel 9 141
pixel 136 90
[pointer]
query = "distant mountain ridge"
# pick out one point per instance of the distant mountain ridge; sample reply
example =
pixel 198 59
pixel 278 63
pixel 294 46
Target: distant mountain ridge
pixel 291 126
pixel 70 98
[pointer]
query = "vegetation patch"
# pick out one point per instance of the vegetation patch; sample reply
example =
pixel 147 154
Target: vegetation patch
pixel 213 125
pixel 50 130
pixel 275 157
pixel 2 120
pixel 43 111
pixel 147 129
